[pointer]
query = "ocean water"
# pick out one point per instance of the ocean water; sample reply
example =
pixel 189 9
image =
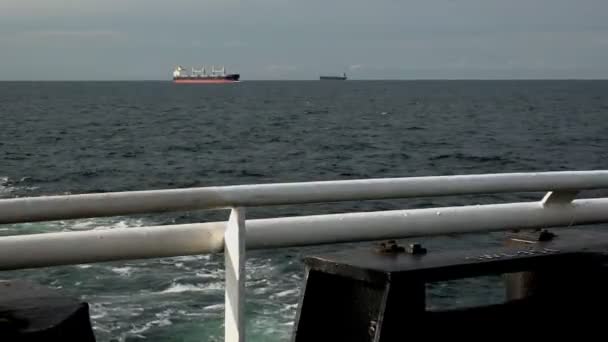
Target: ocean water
pixel 78 137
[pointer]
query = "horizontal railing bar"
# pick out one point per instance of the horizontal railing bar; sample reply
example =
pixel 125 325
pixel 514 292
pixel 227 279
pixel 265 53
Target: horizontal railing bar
pixel 50 249
pixel 49 208
pixel 70 248
pixel 397 224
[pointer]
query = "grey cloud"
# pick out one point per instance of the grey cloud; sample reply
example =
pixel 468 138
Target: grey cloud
pixel 299 39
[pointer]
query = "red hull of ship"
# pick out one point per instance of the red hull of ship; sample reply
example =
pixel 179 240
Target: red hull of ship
pixel 204 81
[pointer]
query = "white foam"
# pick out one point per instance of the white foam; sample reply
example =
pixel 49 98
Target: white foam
pixel 190 314
pixel 163 322
pixel 289 307
pixel 212 275
pixel 4 187
pixel 187 258
pixel 82 225
pixel 179 288
pixel 97 311
pixel 285 293
pixel 260 291
pixel 7 186
pixel 100 223
pixel 120 224
pixel 214 307
pixel 123 271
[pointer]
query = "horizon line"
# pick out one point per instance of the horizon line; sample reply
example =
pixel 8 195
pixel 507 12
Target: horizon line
pixel 341 81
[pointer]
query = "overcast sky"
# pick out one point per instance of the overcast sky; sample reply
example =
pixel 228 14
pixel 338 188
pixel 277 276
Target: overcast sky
pixel 300 39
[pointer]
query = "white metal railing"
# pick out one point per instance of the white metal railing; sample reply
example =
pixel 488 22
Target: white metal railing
pixel 557 208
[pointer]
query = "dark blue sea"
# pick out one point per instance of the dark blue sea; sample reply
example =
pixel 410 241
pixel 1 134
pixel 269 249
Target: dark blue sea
pixel 79 137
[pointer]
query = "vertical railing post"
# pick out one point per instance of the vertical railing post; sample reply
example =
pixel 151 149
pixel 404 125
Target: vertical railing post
pixel 234 254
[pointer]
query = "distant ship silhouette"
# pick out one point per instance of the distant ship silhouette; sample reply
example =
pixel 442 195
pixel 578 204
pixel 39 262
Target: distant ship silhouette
pixel 335 78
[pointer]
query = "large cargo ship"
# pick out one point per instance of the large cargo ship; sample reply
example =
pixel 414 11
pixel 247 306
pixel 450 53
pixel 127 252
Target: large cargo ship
pixel 333 78
pixel 180 75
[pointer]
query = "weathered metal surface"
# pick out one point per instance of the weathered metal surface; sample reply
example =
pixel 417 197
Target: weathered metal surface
pixel 363 295
pixel 137 202
pixel 390 247
pixel 330 315
pixel 365 264
pixel 523 285
pixel 30 312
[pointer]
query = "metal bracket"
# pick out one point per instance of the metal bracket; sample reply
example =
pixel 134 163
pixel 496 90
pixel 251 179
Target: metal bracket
pixel 559 197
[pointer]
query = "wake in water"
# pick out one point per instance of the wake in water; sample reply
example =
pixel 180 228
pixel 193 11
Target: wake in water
pixel 5 187
pixel 139 299
pixel 13 188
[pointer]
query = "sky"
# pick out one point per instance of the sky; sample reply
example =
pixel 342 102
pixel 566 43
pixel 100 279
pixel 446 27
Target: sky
pixel 302 39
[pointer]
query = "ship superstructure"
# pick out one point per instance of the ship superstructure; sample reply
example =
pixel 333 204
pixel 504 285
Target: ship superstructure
pixel 203 75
